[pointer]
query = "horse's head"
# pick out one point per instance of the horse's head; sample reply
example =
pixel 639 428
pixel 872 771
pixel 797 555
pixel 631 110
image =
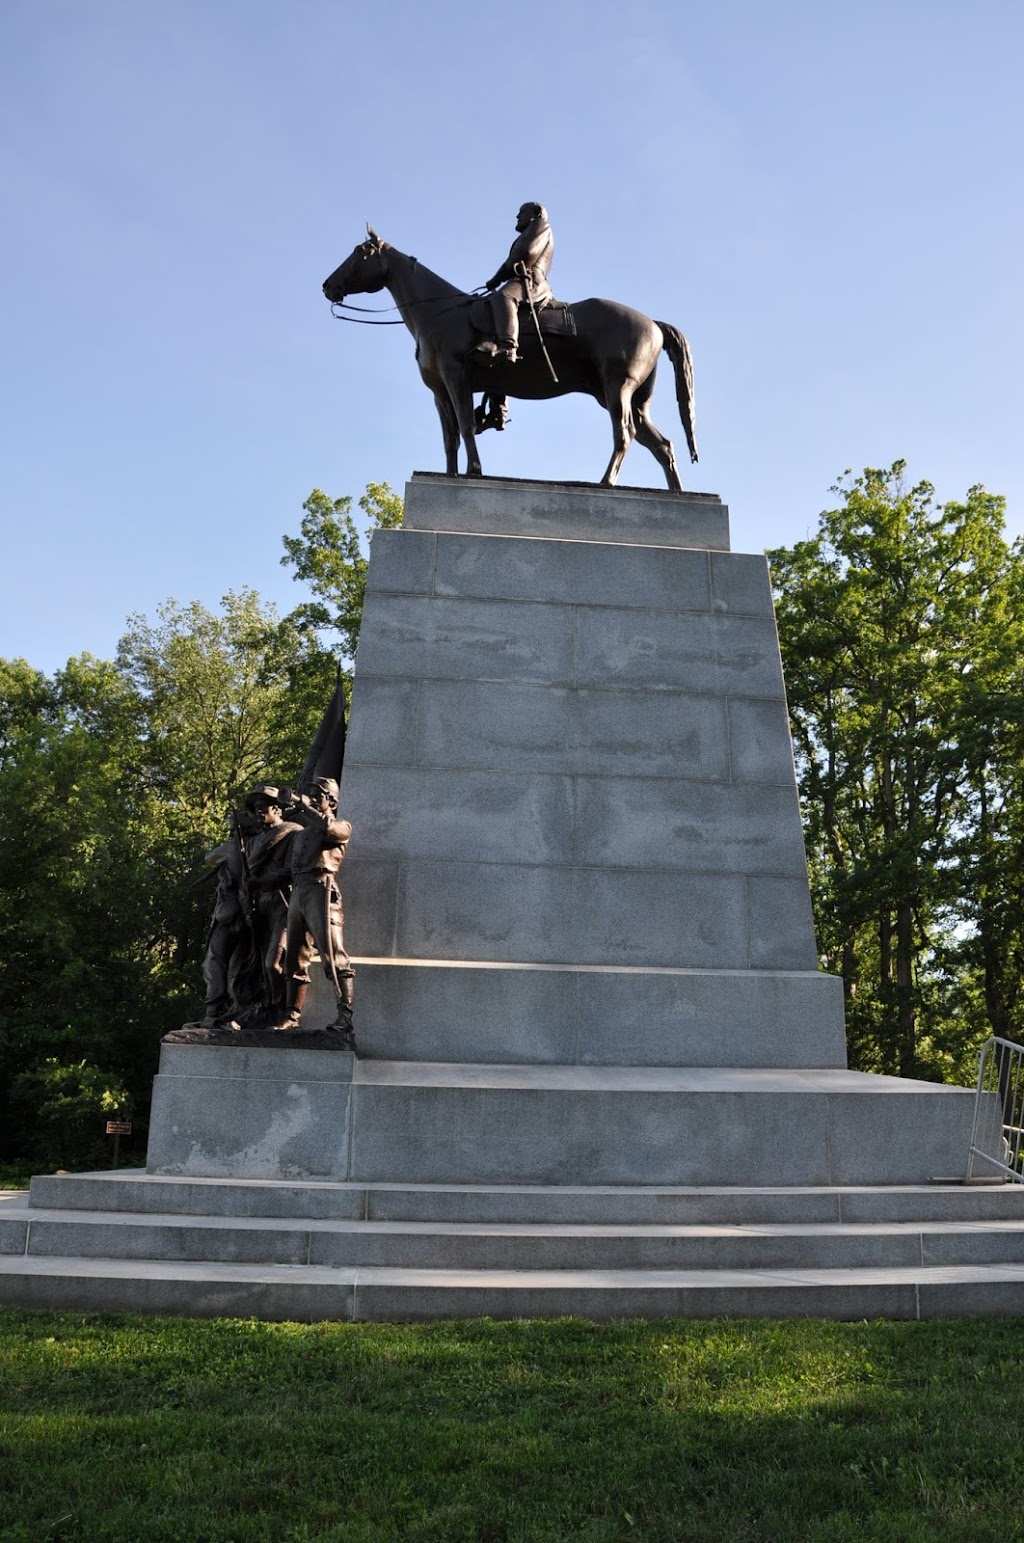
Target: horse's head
pixel 363 273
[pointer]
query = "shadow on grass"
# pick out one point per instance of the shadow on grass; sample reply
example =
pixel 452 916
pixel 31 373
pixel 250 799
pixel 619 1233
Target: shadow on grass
pixel 167 1429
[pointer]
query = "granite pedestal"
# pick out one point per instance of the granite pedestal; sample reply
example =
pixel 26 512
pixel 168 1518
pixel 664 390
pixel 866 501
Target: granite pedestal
pixel 588 996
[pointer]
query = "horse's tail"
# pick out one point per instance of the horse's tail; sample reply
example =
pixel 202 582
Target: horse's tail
pixel 678 350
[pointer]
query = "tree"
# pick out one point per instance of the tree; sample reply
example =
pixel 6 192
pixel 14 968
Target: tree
pixel 890 618
pixel 114 779
pixel 328 556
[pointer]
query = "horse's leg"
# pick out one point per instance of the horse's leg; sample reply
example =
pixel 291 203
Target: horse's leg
pixel 654 440
pixel 619 402
pixel 450 431
pixel 461 397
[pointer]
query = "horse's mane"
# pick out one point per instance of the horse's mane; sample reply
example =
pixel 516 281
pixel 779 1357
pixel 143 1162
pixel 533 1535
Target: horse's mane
pixel 443 286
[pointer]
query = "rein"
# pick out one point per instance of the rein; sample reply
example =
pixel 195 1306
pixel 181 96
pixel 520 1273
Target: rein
pixel 337 306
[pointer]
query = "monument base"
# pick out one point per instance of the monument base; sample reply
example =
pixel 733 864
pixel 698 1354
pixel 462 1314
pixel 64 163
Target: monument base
pixel 303 1114
pixel 244 1112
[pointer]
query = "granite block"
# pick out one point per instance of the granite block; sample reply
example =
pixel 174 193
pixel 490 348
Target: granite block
pixel 572 573
pixel 761 750
pixel 559 915
pixel 781 924
pixel 13 1235
pixel 463 816
pixel 444 1135
pixel 389 1301
pixel 401 561
pixel 483 911
pixel 741 584
pixel 430 1011
pixel 898 1137
pixel 975 1244
pixel 370 891
pixel 695 826
pixel 411 636
pixel 629 916
pixel 620 1206
pixel 286 1301
pixel 383 724
pixel 586 731
pixel 433 1013
pixel 133 1239
pixel 970 1298
pixel 570 511
pixel 959 1203
pixel 153 1194
pixel 253 1128
pixel 656 650
pixel 253 1063
pixel 711 1019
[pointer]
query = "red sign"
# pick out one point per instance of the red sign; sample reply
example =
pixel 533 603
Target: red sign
pixel 119 1127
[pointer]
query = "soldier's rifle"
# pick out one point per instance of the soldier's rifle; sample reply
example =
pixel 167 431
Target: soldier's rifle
pixel 248 898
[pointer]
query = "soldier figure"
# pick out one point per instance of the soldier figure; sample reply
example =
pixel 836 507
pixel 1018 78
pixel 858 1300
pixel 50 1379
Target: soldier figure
pixel 230 936
pixel 523 275
pixel 268 861
pixel 314 909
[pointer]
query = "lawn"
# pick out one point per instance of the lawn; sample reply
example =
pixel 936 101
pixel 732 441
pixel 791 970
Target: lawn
pixel 205 1432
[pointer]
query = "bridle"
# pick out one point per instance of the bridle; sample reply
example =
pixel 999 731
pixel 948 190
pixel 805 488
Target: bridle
pixel 338 306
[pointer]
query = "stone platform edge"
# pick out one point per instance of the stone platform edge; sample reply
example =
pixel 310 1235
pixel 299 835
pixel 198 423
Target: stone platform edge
pixel 566 511
pixel 407 1122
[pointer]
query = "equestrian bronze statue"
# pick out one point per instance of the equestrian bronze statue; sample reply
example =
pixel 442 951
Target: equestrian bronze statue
pixel 597 347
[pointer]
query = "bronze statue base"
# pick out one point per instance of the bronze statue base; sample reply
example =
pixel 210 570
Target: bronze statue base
pixel 223 1035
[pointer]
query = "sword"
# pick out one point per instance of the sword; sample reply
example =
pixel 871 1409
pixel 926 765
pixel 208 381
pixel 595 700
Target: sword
pixel 522 269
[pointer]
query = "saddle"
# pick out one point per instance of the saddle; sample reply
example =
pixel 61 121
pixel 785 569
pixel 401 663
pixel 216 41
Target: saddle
pixel 555 318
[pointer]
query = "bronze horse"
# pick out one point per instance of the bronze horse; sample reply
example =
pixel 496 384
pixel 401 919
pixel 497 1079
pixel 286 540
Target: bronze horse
pixel 613 357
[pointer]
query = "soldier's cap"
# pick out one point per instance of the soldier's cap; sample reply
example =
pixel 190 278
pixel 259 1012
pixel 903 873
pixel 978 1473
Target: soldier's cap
pixel 327 785
pixel 264 793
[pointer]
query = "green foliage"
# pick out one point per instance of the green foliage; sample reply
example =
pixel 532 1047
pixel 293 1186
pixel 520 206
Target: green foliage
pixel 327 556
pixel 115 778
pixel 901 631
pixel 528 1432
pixel 66 1105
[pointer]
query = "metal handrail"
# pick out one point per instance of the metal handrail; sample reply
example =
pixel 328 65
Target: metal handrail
pixel 997 1132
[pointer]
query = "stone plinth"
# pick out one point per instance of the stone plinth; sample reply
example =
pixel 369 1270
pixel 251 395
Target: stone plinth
pixel 434 1010
pixel 271 1114
pixel 579 511
pixel 306 1114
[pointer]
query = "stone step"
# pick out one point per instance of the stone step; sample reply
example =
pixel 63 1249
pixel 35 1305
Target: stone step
pixel 312 1294
pixel 506 1245
pixel 131 1190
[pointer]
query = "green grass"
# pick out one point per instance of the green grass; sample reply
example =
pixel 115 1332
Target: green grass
pixel 157 1429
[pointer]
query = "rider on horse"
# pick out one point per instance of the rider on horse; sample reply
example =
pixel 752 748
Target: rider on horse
pixel 522 276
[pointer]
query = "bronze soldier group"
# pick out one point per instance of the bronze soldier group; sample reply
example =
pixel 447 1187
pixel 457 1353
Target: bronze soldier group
pixel 278 900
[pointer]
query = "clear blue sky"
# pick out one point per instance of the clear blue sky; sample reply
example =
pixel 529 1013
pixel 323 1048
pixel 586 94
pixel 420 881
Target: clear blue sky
pixel 826 198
